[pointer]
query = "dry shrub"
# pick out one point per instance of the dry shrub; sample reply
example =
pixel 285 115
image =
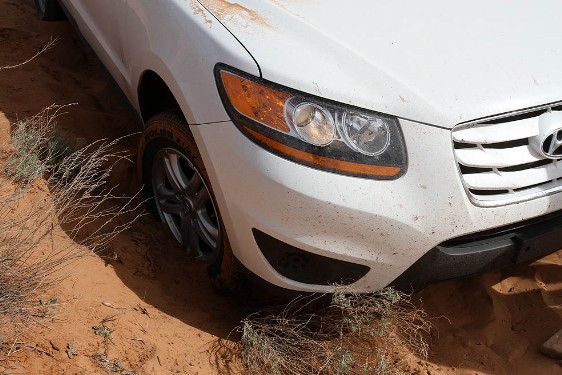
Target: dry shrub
pixel 354 334
pixel 49 185
pixel 37 149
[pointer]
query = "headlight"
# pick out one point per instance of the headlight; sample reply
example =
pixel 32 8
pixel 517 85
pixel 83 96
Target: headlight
pixel 313 131
pixel 313 123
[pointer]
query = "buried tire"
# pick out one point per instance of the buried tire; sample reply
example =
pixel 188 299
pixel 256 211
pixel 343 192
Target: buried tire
pixel 179 193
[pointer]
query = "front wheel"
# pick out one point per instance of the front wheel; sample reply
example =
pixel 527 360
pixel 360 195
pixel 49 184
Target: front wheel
pixel 49 10
pixel 179 193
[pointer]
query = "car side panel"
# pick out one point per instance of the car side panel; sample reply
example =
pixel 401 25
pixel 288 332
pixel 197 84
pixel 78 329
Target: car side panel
pixel 178 40
pixel 93 19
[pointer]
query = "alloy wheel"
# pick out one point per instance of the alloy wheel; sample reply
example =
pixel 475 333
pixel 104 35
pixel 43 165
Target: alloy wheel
pixel 184 202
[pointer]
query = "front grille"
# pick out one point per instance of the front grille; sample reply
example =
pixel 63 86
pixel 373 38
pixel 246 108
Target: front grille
pixel 499 166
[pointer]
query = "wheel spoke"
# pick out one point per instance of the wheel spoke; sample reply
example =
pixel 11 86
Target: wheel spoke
pixel 194 247
pixel 174 174
pixel 185 231
pixel 194 185
pixel 171 208
pixel 190 237
pixel 166 194
pixel 206 230
pixel 201 198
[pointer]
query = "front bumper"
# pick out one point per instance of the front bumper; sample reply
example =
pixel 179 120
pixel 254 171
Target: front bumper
pixel 386 226
pixel 487 251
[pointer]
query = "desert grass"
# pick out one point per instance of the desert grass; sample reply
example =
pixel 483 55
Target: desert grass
pixel 353 334
pixel 56 206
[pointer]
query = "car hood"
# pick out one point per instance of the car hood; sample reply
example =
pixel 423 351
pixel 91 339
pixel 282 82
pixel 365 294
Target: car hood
pixel 438 62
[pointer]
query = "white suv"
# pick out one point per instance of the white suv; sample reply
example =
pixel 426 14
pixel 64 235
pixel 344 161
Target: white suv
pixel 362 143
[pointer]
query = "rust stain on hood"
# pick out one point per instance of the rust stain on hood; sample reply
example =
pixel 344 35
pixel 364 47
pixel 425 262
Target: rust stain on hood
pixel 198 10
pixel 232 12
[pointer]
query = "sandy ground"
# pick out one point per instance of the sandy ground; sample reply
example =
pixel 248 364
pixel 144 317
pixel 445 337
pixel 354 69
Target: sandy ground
pixel 161 307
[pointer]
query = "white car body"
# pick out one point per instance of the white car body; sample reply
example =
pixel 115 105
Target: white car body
pixel 440 67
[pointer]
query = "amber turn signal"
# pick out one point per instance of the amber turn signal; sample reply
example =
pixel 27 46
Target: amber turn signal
pixel 260 103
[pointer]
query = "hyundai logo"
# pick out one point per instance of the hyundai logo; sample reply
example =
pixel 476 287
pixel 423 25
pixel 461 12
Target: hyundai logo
pixel 549 140
pixel 552 145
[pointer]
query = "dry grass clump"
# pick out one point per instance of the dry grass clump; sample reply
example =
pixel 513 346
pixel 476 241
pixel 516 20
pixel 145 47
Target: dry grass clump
pixel 353 334
pixel 38 150
pixel 53 197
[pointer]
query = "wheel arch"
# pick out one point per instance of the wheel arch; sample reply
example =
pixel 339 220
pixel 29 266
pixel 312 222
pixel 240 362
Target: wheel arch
pixel 154 95
pixel 155 88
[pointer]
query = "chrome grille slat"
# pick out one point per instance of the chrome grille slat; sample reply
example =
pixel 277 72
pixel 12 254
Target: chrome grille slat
pixel 507 131
pixel 497 158
pixel 513 180
pixel 498 165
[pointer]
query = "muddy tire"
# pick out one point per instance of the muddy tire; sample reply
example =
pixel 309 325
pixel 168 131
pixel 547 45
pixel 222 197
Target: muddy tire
pixel 49 10
pixel 179 193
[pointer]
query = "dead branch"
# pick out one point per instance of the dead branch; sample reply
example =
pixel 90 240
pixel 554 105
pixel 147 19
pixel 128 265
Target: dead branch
pixel 44 49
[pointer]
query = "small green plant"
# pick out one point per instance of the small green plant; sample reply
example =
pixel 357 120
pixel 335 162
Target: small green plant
pixel 48 307
pixel 62 146
pixel 103 331
pixel 37 147
pixel 102 359
pixel 109 365
pixel 71 351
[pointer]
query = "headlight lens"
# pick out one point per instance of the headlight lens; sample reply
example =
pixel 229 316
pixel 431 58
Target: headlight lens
pixel 313 123
pixel 313 131
pixel 369 135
